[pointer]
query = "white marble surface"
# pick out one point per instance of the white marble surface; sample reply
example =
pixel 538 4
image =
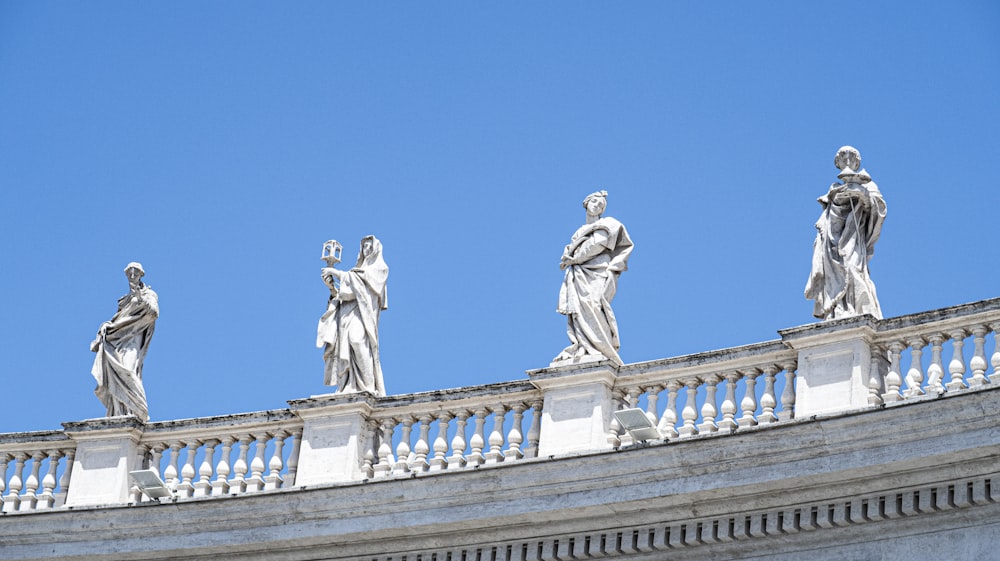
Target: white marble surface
pixel 121 346
pixel 593 260
pixel 348 331
pixel 851 222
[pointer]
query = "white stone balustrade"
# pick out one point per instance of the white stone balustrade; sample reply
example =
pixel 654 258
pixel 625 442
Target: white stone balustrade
pixel 35 470
pixel 940 351
pixel 214 456
pixel 455 429
pixel 708 393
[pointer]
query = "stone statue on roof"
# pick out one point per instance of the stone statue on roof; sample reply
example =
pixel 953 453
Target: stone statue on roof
pixel 593 260
pixel 846 232
pixel 121 346
pixel 348 331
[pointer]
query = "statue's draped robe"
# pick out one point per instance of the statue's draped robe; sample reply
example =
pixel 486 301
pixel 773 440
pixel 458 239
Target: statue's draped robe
pixel 600 251
pixel 846 233
pixel 348 331
pixel 121 351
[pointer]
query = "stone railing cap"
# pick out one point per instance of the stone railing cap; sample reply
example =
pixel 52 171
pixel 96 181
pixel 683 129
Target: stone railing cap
pixel 331 400
pixel 825 328
pixel 104 423
pixel 553 371
pixel 456 394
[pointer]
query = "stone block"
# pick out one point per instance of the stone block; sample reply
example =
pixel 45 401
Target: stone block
pixel 577 407
pixel 334 436
pixel 106 451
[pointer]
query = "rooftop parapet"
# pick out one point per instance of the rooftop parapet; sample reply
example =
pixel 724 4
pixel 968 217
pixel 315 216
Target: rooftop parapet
pixel 815 370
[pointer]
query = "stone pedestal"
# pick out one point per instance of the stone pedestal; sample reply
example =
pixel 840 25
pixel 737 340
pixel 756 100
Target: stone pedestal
pixel 106 451
pixel 334 437
pixel 836 367
pixel 576 413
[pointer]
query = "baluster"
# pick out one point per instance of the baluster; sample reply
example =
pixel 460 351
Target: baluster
pixel 457 458
pixel 690 412
pixel 142 458
pixel 614 427
pixel 293 456
pixel 221 484
pixel 788 393
pixel 238 483
pixel 274 465
pixel 157 458
pixel 893 380
pixel 4 459
pixel 368 462
pixel 440 460
pixel 935 372
pixel 403 448
pixel 978 362
pixel 995 358
pixel 421 448
pixel 64 480
pixel 495 455
pixel 768 400
pixel 631 401
pixel 915 375
pixel 170 474
pixel 371 451
pixel 708 409
pixel 257 465
pixel 47 499
pixel 748 405
pixel 957 365
pixel 186 486
pixel 385 460
pixel 876 368
pixel 478 440
pixel 633 397
pixel 728 422
pixel 203 487
pixel 535 431
pixel 514 436
pixel 29 498
pixel 652 397
pixel 668 422
pixel 13 500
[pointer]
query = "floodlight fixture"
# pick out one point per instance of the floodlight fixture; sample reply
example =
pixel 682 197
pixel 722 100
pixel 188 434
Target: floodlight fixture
pixel 149 482
pixel 637 425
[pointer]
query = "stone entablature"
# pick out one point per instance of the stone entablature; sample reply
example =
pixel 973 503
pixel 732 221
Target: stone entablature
pixel 778 458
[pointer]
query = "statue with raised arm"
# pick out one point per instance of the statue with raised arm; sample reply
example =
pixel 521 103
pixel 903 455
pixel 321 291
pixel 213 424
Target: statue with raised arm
pixel 348 331
pixel 595 257
pixel 121 347
pixel 846 232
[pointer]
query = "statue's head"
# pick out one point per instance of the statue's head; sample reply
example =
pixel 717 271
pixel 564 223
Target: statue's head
pixel 847 157
pixel 371 250
pixel 596 202
pixel 134 272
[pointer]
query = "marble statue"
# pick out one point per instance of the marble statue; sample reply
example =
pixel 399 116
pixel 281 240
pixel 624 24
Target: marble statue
pixel 348 331
pixel 846 232
pixel 595 257
pixel 121 347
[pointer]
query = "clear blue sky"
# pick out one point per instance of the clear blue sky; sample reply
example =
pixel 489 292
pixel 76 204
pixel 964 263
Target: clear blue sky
pixel 221 143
